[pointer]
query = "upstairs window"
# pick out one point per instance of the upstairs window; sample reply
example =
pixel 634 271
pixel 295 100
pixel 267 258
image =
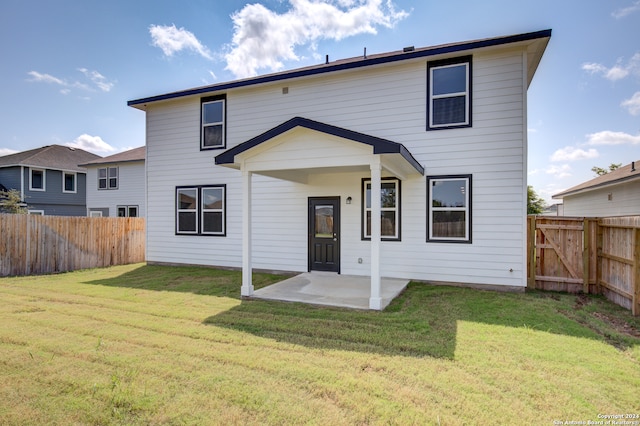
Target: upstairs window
pixel 69 182
pixel 389 209
pixel 108 178
pixel 449 208
pixel 37 180
pixel 213 123
pixel 449 86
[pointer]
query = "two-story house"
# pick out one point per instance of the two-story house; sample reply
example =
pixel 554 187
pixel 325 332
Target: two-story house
pixel 116 185
pixel 409 164
pixel 49 179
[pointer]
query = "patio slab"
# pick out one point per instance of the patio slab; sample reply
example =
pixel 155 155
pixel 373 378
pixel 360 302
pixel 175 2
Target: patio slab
pixel 328 288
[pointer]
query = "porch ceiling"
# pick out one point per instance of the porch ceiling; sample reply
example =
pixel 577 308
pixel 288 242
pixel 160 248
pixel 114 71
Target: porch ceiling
pixel 301 147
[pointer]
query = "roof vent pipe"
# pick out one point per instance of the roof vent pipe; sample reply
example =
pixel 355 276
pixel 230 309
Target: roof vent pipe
pixel 365 53
pixel 326 61
pixel 633 166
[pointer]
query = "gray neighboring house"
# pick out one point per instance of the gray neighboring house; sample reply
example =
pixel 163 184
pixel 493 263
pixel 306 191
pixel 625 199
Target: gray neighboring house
pixel 116 185
pixel 49 179
pixel 616 193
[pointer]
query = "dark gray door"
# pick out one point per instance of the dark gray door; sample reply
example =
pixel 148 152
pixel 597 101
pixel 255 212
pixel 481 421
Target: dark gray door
pixel 324 234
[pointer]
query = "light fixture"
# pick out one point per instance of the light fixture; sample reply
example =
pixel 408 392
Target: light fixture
pixel 348 200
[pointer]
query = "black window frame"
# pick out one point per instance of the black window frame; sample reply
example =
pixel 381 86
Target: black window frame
pixel 127 210
pixel 431 65
pixel 199 210
pixel 207 100
pixel 468 209
pixel 398 209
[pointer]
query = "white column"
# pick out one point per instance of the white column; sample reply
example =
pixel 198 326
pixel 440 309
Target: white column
pixel 375 301
pixel 247 284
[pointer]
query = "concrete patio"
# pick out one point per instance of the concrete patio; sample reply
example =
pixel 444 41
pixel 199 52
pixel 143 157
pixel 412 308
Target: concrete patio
pixel 328 288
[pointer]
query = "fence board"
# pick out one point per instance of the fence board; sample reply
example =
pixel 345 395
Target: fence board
pixel 592 255
pixel 46 244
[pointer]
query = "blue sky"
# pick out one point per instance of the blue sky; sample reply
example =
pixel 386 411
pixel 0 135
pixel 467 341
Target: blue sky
pixel 69 67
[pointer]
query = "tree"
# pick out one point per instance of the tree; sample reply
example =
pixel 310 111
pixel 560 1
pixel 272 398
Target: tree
pixel 535 204
pixel 10 202
pixel 600 171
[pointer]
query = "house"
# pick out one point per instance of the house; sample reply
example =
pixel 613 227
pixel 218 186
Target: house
pixel 116 185
pixel 276 172
pixel 49 179
pixel 616 193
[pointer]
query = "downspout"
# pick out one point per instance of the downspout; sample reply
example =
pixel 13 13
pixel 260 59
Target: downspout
pixel 525 161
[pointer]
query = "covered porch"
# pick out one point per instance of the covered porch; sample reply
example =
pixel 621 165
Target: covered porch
pixel 297 150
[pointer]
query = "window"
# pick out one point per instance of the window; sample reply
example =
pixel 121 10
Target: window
pixel 127 211
pixel 108 178
pixel 95 213
pixel 213 123
pixel 36 212
pixel 449 208
pixel 200 210
pixel 390 209
pixel 449 86
pixel 68 182
pixel 37 180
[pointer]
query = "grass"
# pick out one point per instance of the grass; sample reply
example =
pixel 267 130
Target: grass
pixel 145 345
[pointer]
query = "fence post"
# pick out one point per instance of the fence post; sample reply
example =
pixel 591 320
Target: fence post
pixel 531 250
pixel 635 300
pixel 585 254
pixel 598 256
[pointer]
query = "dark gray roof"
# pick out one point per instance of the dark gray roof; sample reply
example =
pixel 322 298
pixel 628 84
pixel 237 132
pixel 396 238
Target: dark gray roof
pixel 623 174
pixel 135 154
pixel 55 157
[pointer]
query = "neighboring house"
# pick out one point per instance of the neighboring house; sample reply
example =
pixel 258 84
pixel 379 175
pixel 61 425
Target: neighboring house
pixel 616 193
pixel 49 179
pixel 276 172
pixel 116 185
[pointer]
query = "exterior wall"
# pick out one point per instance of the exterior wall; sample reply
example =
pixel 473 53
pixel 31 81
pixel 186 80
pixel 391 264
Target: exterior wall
pixel 53 201
pixel 388 102
pixel 10 177
pixel 130 192
pixel 625 201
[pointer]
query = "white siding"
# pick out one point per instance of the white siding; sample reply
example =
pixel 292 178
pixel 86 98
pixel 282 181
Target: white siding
pixel 388 102
pixel 130 192
pixel 625 201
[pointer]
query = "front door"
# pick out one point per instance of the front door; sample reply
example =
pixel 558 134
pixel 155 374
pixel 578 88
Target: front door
pixel 324 234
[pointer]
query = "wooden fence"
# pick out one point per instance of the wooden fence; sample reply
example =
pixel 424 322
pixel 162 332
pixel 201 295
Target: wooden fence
pixel 31 244
pixel 590 255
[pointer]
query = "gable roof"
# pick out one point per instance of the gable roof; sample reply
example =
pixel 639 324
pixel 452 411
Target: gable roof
pixel 56 157
pixel 626 173
pixel 537 44
pixel 135 154
pixel 380 146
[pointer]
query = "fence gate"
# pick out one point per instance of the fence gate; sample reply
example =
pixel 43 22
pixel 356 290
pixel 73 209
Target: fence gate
pixel 562 252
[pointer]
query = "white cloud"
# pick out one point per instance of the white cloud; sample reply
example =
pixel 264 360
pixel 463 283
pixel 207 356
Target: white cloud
pixel 90 143
pixel 96 78
pixel 616 72
pixel 7 151
pixel 624 11
pixel 632 104
pixel 172 40
pixel 607 137
pixel 262 38
pixel 571 153
pixel 559 171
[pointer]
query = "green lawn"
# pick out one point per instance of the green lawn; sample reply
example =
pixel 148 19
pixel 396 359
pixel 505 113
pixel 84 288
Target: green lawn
pixel 169 345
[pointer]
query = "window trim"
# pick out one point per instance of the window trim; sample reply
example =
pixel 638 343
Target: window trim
pixel 36 212
pixel 108 178
pixel 75 182
pixel 44 179
pixel 208 100
pixel 397 209
pixel 467 209
pixel 127 210
pixel 445 63
pixel 199 211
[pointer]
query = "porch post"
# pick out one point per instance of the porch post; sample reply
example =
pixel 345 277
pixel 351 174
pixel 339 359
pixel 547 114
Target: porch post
pixel 247 284
pixel 375 301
